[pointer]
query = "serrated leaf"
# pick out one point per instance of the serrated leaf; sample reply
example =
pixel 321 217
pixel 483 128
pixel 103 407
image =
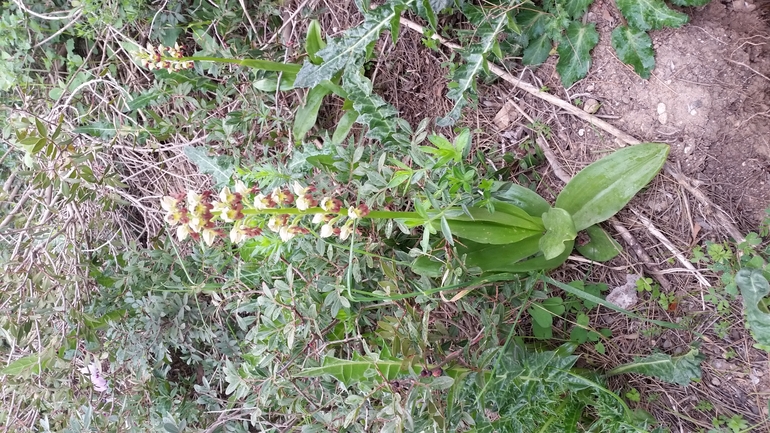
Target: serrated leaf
pixel 600 190
pixel 600 247
pixel 634 47
pixel 537 51
pixel 691 3
pixel 373 111
pixel 559 229
pixel 209 165
pixel 464 78
pixel 575 52
pixel 533 22
pixel 679 370
pixel 650 14
pixel 349 50
pixel 754 287
pixel 576 8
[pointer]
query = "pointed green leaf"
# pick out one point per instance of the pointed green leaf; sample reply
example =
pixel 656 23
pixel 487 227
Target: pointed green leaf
pixel 361 368
pixel 540 315
pixel 306 115
pixel 314 42
pixel 634 47
pixel 344 126
pixel 559 230
pixel 679 369
pixel 650 14
pixel 754 287
pixel 600 190
pixel 509 215
pixel 522 197
pixel 485 232
pixel 575 52
pixel 600 247
pixel 532 21
pixel 373 111
pixel 28 365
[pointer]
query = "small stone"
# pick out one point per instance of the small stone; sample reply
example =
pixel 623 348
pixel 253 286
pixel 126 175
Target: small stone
pixel 591 106
pixel 693 112
pixel 661 108
pixel 663 118
pixel 668 344
pixel 581 132
pixel 590 88
pixel 715 381
pixel 625 296
pixel 688 149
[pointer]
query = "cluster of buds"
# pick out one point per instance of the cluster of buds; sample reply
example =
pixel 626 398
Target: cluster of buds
pixel 197 215
pixel 161 57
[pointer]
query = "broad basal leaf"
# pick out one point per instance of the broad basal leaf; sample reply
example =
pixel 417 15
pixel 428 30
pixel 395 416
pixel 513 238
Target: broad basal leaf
pixel 559 230
pixel 521 197
pixel 600 246
pixel 350 49
pixel 679 369
pixel 650 14
pixel 754 287
pixel 210 165
pixel 575 52
pixel 499 258
pixel 600 190
pixel 464 78
pixel 634 47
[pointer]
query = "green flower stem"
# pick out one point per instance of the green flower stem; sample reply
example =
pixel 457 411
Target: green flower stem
pixel 266 65
pixel 375 214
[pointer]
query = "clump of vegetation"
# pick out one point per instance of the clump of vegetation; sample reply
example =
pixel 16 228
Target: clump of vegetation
pixel 185 248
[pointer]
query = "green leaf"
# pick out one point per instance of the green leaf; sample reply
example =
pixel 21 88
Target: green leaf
pixel 306 115
pixel 537 50
pixel 650 14
pixel 427 267
pixel 522 197
pixel 464 78
pixel 576 8
pixel 360 368
pixel 754 287
pixel 489 233
pixel 314 41
pixel 679 370
pixel 499 258
pixel 695 3
pixel 344 126
pixel 430 8
pixel 559 230
pixel 600 190
pixel 209 165
pixel 23 367
pixel 533 22
pixel 541 316
pixel 575 52
pixel 374 112
pixel 600 247
pixel 349 50
pixel 634 47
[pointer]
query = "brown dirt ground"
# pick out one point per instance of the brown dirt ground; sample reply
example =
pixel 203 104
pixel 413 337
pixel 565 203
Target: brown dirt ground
pixel 713 76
